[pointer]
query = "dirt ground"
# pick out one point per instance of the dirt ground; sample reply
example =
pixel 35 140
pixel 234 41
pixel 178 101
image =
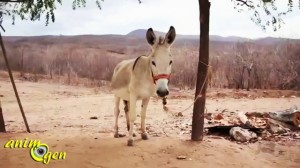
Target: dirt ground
pixel 60 116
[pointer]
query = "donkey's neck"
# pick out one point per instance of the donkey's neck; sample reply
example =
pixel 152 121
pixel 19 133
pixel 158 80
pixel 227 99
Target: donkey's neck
pixel 142 69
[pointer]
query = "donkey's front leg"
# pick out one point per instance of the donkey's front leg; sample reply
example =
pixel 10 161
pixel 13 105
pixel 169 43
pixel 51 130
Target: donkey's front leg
pixel 132 118
pixel 117 112
pixel 143 117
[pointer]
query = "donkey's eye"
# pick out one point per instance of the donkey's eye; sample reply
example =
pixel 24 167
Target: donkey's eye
pixel 153 63
pixel 171 62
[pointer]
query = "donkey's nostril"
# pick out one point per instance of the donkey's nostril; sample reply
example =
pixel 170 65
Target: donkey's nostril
pixel 162 93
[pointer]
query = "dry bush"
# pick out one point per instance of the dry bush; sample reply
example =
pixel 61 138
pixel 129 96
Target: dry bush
pixel 259 66
pixel 288 68
pixel 234 65
pixel 184 68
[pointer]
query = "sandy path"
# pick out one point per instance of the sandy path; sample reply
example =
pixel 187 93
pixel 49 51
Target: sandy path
pixel 60 116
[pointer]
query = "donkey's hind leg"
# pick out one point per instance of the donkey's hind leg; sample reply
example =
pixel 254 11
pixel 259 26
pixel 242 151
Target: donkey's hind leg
pixel 132 118
pixel 117 112
pixel 126 109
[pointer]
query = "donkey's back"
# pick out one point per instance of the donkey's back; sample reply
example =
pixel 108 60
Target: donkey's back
pixel 121 79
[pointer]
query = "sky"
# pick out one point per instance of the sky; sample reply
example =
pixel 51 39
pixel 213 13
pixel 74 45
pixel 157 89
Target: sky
pixel 124 16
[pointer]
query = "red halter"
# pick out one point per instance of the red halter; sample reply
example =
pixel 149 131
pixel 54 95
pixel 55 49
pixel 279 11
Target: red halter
pixel 160 76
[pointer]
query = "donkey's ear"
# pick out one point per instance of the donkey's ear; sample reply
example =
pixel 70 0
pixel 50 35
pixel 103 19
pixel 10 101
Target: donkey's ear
pixel 170 36
pixel 150 36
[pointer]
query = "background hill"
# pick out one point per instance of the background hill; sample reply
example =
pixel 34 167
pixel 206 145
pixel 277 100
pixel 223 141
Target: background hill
pixel 276 63
pixel 135 36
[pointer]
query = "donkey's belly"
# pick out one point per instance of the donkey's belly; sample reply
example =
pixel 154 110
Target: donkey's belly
pixel 141 91
pixel 123 93
pixel 144 95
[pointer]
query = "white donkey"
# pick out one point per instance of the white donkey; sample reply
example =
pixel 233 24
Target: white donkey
pixel 140 78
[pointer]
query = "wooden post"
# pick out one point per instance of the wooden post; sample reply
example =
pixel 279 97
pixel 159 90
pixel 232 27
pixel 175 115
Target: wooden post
pixel 199 105
pixel 13 83
pixel 2 123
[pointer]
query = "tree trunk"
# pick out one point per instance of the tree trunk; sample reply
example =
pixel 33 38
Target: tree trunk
pixel 241 82
pixel 69 72
pixel 248 84
pixel 22 63
pixel 291 115
pixel 51 72
pixel 201 85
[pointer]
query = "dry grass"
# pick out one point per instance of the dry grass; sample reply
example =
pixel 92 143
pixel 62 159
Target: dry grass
pixel 93 58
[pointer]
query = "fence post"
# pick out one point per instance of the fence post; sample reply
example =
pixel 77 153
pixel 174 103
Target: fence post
pixel 13 83
pixel 2 123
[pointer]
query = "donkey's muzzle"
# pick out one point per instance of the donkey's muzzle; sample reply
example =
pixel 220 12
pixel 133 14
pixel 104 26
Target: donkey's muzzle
pixel 162 93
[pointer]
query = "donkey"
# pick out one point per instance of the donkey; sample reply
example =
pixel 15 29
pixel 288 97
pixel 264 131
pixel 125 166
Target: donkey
pixel 140 78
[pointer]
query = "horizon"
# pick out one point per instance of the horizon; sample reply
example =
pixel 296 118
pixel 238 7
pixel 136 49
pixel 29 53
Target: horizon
pixel 43 35
pixel 120 20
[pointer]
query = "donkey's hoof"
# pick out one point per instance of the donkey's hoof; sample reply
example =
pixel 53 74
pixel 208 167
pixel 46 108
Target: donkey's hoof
pixel 144 136
pixel 130 142
pixel 118 135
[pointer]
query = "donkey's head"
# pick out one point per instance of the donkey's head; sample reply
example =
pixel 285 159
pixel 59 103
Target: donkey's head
pixel 161 59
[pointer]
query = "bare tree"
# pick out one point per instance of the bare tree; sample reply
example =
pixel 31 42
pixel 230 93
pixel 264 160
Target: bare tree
pixel 201 85
pixel 22 61
pixel 245 55
pixel 265 13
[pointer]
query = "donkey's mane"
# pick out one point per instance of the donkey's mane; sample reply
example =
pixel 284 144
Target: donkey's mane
pixel 161 40
pixel 136 60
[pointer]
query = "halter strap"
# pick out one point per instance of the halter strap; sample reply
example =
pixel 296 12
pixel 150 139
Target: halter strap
pixel 160 76
pixel 156 77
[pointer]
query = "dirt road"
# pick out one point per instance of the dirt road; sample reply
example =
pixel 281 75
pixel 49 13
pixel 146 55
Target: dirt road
pixel 60 116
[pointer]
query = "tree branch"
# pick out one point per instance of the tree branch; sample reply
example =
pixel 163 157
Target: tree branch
pixel 12 0
pixel 245 2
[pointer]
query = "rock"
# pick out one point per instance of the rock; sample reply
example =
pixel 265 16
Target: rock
pixel 244 119
pixel 181 157
pixel 296 136
pixel 242 135
pixel 208 116
pixel 275 128
pixel 122 135
pixel 219 117
pixel 224 110
pixel 180 114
